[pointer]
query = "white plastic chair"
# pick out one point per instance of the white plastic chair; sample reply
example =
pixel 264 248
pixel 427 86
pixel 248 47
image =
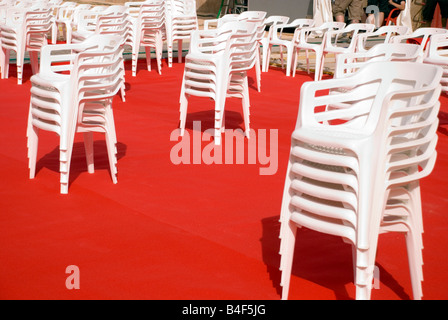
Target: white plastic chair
pixel 256 17
pixel 348 167
pixel 312 39
pixel 278 39
pixel 382 35
pixel 334 46
pixel 66 19
pixel 437 54
pixel 270 21
pixel 150 34
pixel 25 31
pixel 423 35
pixel 181 21
pixel 216 67
pixel 73 93
pixel 99 22
pixel 133 11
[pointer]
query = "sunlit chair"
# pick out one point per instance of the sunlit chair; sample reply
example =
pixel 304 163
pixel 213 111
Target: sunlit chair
pixel 73 92
pixel 216 67
pixel 335 45
pixel 279 39
pixel 312 39
pixel 150 34
pixel 437 54
pixel 181 21
pixel 382 35
pixel 66 19
pixel 349 167
pixel 25 31
pixel 270 22
pixel 420 36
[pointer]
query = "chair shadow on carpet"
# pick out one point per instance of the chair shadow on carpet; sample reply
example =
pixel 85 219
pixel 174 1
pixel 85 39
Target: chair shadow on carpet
pixel 78 163
pixel 319 258
pixel 443 121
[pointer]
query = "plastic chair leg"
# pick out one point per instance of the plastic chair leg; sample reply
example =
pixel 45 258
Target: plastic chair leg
pixel 159 49
pixel 264 51
pixel 319 67
pixel 34 60
pixel 266 57
pixel 288 239
pixel 88 146
pixel 246 107
pixel 111 147
pixel 170 55
pixel 32 141
pixel 148 58
pixel 183 113
pixel 179 51
pixel 258 71
pixel 288 61
pixel 5 67
pixel 415 267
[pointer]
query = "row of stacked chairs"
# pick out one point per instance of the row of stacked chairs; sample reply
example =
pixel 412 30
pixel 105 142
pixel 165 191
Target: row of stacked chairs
pixel 362 142
pixel 76 77
pixel 147 24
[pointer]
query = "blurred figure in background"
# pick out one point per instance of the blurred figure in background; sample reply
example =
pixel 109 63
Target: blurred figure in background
pixel 430 8
pixel 354 7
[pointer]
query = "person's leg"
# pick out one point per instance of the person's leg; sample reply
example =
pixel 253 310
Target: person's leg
pixel 339 8
pixel 384 9
pixel 443 4
pixel 355 11
pixel 428 12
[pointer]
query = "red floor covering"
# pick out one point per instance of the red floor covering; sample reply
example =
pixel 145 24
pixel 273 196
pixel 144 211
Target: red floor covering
pixel 188 231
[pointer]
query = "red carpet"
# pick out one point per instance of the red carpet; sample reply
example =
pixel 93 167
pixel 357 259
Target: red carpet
pixel 169 231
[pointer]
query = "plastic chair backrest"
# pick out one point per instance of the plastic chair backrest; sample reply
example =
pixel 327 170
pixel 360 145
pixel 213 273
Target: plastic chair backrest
pixel 348 63
pixel 437 47
pixel 242 47
pixel 368 89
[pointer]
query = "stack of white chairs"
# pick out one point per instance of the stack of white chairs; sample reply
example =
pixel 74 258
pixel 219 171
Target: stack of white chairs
pixel 150 33
pixel 384 34
pixel 437 54
pixel 25 30
pixel 66 19
pixel 350 166
pixel 312 39
pixel 216 67
pixel 422 35
pixel 54 6
pixel 73 93
pixel 133 11
pixel 334 46
pixel 92 22
pixel 277 38
pixel 112 21
pixel 256 17
pixel 271 22
pixel 181 20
